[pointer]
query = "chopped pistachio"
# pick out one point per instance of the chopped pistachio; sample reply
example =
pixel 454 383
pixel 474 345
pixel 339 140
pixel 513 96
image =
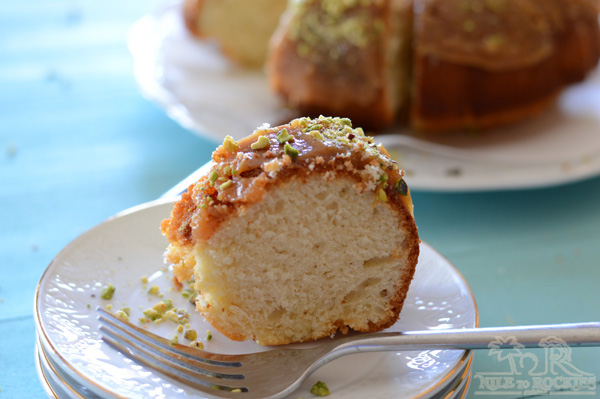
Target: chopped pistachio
pixel 179 328
pixel 109 307
pixel 171 315
pixel 213 177
pixel 230 144
pixel 383 179
pixel 262 142
pixel 152 314
pixel 154 290
pixel 168 302
pixel 174 340
pixel 208 335
pixel 316 135
pixel 225 185
pixel 284 136
pixel 401 187
pixel 381 196
pixel 197 344
pixel 190 335
pixel 122 315
pixel 291 151
pixel 236 390
pixel 188 293
pixel 346 121
pixel 107 292
pixel 320 389
pixel 144 280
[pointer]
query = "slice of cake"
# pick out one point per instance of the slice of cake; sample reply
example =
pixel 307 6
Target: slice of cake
pixel 297 232
pixel 359 50
pixel 241 27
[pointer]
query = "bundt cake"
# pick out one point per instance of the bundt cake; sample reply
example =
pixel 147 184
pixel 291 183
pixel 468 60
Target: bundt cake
pixel 358 50
pixel 485 63
pixel 242 28
pixel 295 233
pixel 448 64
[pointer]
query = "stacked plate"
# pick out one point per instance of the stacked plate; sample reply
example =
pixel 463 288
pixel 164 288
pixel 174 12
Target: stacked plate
pixel 127 252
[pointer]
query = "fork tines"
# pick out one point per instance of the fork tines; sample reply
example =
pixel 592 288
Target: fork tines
pixel 209 372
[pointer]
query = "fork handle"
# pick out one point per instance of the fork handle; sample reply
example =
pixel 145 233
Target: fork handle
pixel 573 335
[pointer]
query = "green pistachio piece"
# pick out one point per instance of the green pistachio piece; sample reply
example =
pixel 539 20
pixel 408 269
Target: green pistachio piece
pixel 152 314
pixel 291 151
pixel 122 315
pixel 284 136
pixel 171 315
pixel 190 335
pixel 154 290
pixel 316 135
pixel 213 177
pixel 262 142
pixel 107 292
pixel 197 345
pixel 401 187
pixel 381 196
pixel 320 389
pixel 225 185
pixel 230 144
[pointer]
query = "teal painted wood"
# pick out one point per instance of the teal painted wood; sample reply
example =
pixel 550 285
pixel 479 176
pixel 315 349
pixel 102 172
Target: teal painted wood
pixel 78 144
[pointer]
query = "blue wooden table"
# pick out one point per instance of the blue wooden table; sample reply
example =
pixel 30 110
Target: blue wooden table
pixel 78 143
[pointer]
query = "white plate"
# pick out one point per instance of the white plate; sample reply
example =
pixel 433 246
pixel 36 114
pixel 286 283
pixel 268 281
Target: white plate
pixel 204 92
pixel 127 247
pixel 57 385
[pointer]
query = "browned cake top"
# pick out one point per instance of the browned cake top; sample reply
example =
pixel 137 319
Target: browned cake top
pixel 328 29
pixel 496 34
pixel 243 170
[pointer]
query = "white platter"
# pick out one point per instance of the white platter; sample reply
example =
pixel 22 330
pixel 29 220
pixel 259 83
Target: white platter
pixel 210 96
pixel 129 246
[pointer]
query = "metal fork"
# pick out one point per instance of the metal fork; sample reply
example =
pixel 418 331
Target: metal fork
pixel 277 373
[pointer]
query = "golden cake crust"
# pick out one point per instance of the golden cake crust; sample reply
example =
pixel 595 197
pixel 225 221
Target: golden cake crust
pixel 486 63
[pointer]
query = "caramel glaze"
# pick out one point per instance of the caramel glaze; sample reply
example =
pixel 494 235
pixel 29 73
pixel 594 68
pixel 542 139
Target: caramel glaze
pixel 241 174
